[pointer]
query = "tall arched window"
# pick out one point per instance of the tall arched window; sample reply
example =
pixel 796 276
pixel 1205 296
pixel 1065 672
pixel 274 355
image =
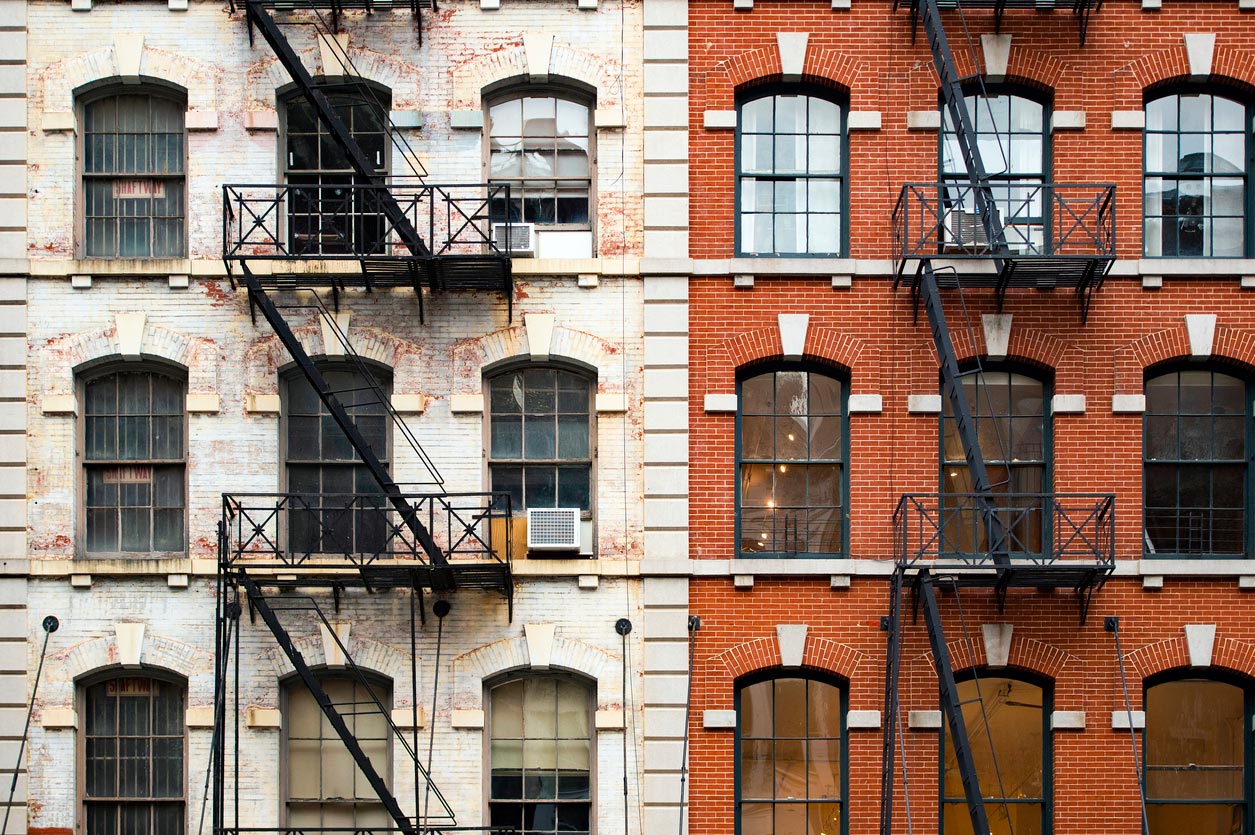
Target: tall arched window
pixel 1007 728
pixel 790 756
pixel 1197 467
pixel 1197 750
pixel 1197 168
pixel 1012 136
pixel 541 755
pixel 791 451
pixel 791 160
pixel 134 744
pixel 134 159
pixel 134 460
pixel 1011 413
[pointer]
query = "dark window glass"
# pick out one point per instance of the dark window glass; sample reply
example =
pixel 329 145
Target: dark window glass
pixel 1009 412
pixel 1194 443
pixel 1196 167
pixel 790 757
pixel 325 788
pixel 1195 749
pixel 326 215
pixel 540 444
pixel 134 463
pixel 541 756
pixel 337 507
pixel 790 177
pixel 133 177
pixel 792 472
pixel 133 758
pixel 1006 728
pixel 541 146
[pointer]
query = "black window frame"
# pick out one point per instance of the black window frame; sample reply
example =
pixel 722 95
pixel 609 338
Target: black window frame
pixel 1241 98
pixel 807 674
pixel 842 175
pixel 1247 461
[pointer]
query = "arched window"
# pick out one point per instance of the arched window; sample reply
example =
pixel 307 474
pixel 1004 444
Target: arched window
pixel 134 775
pixel 345 509
pixel 1197 169
pixel 541 755
pixel 1011 414
pixel 541 144
pixel 790 756
pixel 541 438
pixel 791 451
pixel 324 788
pixel 1007 728
pixel 134 460
pixel 1197 750
pixel 1013 139
pixel 134 159
pixel 325 215
pixel 1197 465
pixel 791 160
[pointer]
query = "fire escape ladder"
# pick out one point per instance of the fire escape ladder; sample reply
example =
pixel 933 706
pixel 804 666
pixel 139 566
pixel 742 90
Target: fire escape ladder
pixel 892 625
pixel 362 166
pixel 335 713
pixel 389 488
pixel 951 706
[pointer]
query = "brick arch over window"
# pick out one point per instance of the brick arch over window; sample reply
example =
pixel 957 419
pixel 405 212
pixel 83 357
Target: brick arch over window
pixel 1025 654
pixel 497 69
pixel 1229 344
pixel 65 79
pixel 1173 653
pixel 828 346
pixel 67 355
pixel 1230 67
pixel 264 79
pixel 762 654
pixel 1027 345
pixel 825 67
pixel 472 669
pixel 472 356
pixel 372 657
pixel 264 358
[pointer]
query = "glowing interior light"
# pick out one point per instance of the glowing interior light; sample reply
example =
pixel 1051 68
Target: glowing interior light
pixel 771 503
pixel 790 436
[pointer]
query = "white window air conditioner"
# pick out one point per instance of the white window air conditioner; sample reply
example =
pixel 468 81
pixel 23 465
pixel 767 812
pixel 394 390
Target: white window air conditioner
pixel 553 529
pixel 517 239
pixel 964 230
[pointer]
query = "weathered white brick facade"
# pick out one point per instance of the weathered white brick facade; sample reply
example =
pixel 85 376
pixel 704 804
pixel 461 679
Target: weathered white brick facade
pixel 587 311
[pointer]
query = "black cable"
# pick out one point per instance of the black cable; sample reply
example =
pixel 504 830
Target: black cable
pixel 624 626
pixel 440 608
pixel 1112 625
pixel 695 625
pixel 50 625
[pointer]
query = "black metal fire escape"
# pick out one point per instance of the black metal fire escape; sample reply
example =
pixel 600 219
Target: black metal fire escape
pixel 1076 250
pixel 275 548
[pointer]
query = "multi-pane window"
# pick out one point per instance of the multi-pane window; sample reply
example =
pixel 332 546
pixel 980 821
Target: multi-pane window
pixel 134 461
pixel 791 454
pixel 337 506
pixel 1196 463
pixel 326 213
pixel 1009 413
pixel 1197 745
pixel 541 146
pixel 133 177
pixel 1011 138
pixel 540 444
pixel 790 175
pixel 1006 729
pixel 790 757
pixel 325 788
pixel 1196 167
pixel 541 755
pixel 133 757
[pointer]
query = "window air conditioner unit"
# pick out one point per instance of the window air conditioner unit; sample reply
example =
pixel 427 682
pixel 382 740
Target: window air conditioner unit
pixel 964 230
pixel 517 239
pixel 553 529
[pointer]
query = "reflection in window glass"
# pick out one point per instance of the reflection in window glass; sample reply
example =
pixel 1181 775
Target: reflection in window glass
pixel 1195 470
pixel 540 443
pixel 1005 720
pixel 325 788
pixel 792 442
pixel 790 757
pixel 1196 176
pixel 541 756
pixel 1195 757
pixel 790 178
pixel 541 147
pixel 133 758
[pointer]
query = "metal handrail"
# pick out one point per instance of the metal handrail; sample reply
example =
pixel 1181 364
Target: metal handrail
pixel 286 221
pixel 1039 528
pixel 352 530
